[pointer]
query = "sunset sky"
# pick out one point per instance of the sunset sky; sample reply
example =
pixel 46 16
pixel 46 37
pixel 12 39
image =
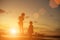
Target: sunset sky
pixel 44 14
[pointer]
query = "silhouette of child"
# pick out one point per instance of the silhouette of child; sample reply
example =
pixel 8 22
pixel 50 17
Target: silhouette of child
pixel 30 29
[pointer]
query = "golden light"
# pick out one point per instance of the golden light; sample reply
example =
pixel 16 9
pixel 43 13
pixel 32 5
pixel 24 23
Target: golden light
pixel 13 31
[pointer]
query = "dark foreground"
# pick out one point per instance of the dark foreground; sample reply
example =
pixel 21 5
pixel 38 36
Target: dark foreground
pixel 27 38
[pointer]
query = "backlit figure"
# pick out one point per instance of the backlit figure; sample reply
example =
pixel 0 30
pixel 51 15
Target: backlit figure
pixel 30 30
pixel 21 19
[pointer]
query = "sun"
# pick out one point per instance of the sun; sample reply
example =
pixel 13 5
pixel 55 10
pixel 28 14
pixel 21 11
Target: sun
pixel 13 31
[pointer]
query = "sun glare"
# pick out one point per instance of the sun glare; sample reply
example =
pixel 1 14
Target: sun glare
pixel 13 31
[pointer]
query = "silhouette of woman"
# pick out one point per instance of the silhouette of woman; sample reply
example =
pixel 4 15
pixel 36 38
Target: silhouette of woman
pixel 21 19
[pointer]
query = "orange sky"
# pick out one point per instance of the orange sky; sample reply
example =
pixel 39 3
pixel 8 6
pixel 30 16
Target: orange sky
pixel 37 11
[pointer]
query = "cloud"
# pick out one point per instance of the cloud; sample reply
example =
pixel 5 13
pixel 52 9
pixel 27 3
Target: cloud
pixel 53 4
pixel 36 15
pixel 41 12
pixel 2 11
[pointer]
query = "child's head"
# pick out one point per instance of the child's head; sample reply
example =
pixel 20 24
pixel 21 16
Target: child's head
pixel 31 22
